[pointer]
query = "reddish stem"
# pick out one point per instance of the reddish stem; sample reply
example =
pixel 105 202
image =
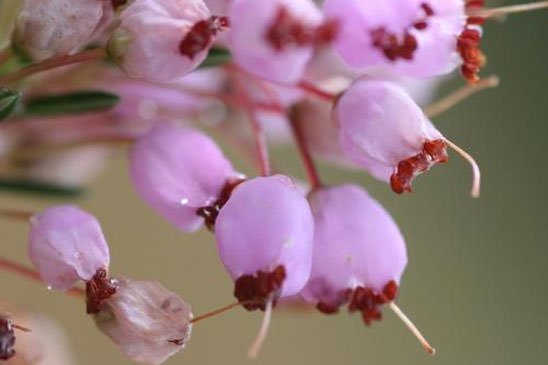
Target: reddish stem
pixel 28 273
pixel 258 133
pixel 313 90
pixel 215 312
pixel 308 162
pixel 236 101
pixel 91 55
pixel 16 214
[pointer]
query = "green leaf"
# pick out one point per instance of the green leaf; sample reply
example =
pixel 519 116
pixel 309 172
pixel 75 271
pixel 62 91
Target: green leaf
pixel 71 103
pixel 8 102
pixel 22 185
pixel 216 57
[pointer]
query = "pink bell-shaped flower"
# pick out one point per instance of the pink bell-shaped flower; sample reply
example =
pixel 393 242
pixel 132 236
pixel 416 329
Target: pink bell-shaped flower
pixel 65 245
pixel 358 248
pixel 275 39
pixel 181 174
pixel 383 130
pixel 264 234
pixel 163 40
pixel 411 37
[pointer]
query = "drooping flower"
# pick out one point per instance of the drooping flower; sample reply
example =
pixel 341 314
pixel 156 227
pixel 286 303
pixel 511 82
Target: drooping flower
pixel 178 171
pixel 163 40
pixel 275 39
pixel 66 244
pixel 359 252
pixel 264 237
pixel 145 320
pixel 383 130
pixel 411 37
pixel 47 28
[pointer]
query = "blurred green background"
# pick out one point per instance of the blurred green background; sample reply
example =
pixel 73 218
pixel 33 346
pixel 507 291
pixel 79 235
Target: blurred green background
pixel 475 283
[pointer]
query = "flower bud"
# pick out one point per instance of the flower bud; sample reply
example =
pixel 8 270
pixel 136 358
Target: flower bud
pixel 383 130
pixel 411 37
pixel 47 28
pixel 145 320
pixel 264 236
pixel 177 171
pixel 274 39
pixel 357 247
pixel 67 244
pixel 163 40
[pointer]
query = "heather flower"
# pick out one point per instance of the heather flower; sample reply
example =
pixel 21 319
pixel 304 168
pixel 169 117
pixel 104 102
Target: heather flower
pixel 163 40
pixel 66 244
pixel 45 344
pixel 357 247
pixel 145 320
pixel 264 237
pixel 264 234
pixel 178 171
pixel 411 37
pixel 274 39
pixel 384 131
pixel 47 28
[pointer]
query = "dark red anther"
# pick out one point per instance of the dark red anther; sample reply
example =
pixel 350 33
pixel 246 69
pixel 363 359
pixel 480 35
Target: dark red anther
pixel 118 3
pixel 201 35
pixel 7 339
pixel 396 46
pixel 433 152
pixel 476 20
pixel 390 290
pixel 327 308
pixel 391 45
pixel 327 32
pixel 210 212
pixel 475 4
pixel 368 302
pixel 98 289
pixel 427 9
pixel 371 314
pixel 286 31
pixel 468 45
pixel 420 25
pixel 254 291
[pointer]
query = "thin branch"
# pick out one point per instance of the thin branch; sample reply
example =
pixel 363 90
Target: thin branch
pixel 455 98
pixel 90 55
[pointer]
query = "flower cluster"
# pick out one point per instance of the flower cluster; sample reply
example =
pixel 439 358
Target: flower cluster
pixel 346 79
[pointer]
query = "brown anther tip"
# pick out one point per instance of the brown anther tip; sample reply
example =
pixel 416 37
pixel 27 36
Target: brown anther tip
pixel 99 289
pixel 210 213
pixel 407 170
pixel 255 291
pixel 201 35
